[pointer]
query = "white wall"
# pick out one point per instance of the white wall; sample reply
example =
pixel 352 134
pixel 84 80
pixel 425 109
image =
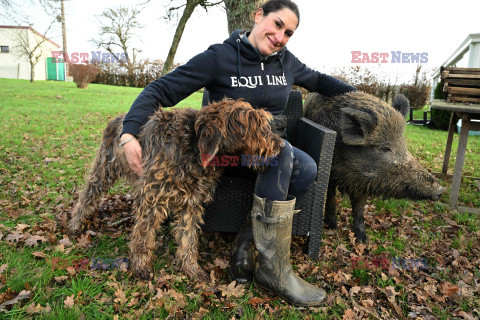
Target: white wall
pixel 14 66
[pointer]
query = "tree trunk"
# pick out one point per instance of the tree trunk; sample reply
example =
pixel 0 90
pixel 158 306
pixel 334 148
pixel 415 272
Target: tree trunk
pixel 240 13
pixel 189 8
pixel 32 71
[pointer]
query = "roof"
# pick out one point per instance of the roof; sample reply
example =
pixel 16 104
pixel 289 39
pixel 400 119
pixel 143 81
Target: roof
pixel 33 30
pixel 472 38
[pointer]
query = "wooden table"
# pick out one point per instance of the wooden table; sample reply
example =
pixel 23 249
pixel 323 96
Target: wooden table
pixel 466 113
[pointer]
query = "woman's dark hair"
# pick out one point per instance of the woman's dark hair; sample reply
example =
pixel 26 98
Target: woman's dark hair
pixel 276 5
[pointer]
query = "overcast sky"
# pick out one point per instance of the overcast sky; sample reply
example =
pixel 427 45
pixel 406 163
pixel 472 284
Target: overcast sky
pixel 328 33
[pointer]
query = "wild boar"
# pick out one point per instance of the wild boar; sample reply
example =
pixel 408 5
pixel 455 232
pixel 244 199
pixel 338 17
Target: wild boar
pixel 370 157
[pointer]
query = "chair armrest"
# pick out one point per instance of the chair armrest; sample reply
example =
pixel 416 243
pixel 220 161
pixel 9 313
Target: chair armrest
pixel 317 141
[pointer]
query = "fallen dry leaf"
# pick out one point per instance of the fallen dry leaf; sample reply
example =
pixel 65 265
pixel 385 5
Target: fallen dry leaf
pixel 69 302
pixel 84 241
pixel 349 315
pixel 66 242
pixel 21 296
pixel 213 277
pixel 71 270
pixel 222 264
pixel 14 237
pixel 20 227
pixel 32 241
pixel 120 295
pixel 61 279
pixel 467 315
pixel 431 289
pixel 232 290
pixel 360 249
pixel 133 302
pixel 39 254
pixel 32 308
pixel 448 289
pixel 391 294
pixel 354 290
pixel 178 296
pixel 368 303
pixel 255 301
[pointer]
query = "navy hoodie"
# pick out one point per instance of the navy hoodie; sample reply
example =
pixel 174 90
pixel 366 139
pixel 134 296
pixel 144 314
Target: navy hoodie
pixel 235 70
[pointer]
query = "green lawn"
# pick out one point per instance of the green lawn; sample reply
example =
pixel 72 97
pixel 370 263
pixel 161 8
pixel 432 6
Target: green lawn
pixel 422 259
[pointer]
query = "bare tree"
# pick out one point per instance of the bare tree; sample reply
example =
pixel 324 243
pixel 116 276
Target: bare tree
pixel 117 29
pixel 10 11
pixel 190 6
pixel 240 13
pixel 30 47
pixel 5 3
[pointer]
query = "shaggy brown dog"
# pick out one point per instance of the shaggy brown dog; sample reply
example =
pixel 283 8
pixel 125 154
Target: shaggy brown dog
pixel 177 179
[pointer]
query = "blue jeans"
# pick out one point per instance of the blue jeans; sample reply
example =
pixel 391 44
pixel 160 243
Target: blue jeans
pixel 292 174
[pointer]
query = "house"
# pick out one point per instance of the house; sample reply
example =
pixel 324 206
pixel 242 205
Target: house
pixel 16 42
pixel 467 55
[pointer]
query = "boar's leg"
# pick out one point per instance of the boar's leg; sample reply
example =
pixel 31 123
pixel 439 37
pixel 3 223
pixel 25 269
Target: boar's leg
pixel 330 207
pixel 358 204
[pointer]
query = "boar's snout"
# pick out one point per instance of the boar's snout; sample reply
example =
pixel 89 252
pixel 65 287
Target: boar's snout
pixel 436 195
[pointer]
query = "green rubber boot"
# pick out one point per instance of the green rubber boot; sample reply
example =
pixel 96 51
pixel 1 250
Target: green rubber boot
pixel 272 233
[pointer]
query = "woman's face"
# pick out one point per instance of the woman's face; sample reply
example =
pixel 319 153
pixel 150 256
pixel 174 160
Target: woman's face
pixel 272 32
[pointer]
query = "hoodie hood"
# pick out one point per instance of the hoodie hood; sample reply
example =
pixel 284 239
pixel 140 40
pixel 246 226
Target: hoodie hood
pixel 245 49
pixel 238 39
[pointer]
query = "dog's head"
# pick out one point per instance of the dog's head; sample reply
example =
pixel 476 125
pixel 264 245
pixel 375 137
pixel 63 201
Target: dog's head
pixel 232 127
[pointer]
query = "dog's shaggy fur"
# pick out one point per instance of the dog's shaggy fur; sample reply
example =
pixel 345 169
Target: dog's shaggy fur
pixel 177 180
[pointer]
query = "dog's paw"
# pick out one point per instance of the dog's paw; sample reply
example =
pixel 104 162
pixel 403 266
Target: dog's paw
pixel 73 231
pixel 197 274
pixel 203 276
pixel 144 274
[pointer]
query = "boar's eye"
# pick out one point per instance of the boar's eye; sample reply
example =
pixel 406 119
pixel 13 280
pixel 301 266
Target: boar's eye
pixel 387 149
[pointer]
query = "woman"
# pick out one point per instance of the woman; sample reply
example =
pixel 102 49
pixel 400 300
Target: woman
pixel 257 67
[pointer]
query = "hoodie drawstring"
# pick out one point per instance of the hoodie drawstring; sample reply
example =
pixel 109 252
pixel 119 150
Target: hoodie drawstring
pixel 239 59
pixel 281 63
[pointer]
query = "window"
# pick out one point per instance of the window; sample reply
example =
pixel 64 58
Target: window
pixel 4 49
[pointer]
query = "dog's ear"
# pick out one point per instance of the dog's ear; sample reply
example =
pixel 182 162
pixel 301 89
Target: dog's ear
pixel 209 140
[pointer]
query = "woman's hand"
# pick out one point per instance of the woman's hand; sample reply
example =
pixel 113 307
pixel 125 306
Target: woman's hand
pixel 133 153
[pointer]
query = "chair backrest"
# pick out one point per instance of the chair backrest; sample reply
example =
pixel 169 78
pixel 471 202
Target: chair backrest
pixel 293 111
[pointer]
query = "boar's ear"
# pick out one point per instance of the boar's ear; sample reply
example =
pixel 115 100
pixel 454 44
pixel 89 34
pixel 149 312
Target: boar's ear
pixel 401 104
pixel 355 125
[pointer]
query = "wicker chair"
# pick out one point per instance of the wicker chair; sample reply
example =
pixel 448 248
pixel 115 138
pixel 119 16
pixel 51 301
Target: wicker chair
pixel 234 195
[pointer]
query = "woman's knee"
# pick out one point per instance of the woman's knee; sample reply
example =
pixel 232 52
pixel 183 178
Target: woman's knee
pixel 303 174
pixel 286 156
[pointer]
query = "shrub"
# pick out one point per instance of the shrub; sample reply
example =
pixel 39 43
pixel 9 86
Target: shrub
pixel 416 94
pixel 83 74
pixel 440 118
pixel 140 74
pixel 362 78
